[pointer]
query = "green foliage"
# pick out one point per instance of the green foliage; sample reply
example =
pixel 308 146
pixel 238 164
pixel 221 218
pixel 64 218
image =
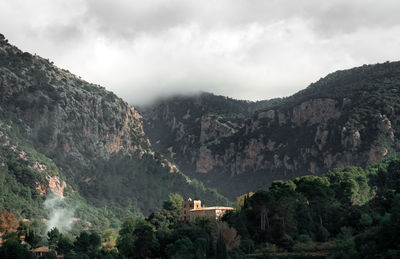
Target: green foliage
pixel 174 202
pixel 163 235
pixel 181 248
pixel 350 185
pixel 88 243
pixel 123 186
pixel 365 220
pixel 64 245
pixel 363 204
pixel 345 248
pixel 17 186
pixel 221 248
pixel 146 244
pixel 126 238
pixel 137 238
pixel 31 237
pixel 131 186
pixel 53 236
pixel 313 214
pixel 13 249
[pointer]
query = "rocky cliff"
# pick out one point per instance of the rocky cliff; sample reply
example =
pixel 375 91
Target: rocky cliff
pixel 65 113
pixel 62 135
pixel 348 118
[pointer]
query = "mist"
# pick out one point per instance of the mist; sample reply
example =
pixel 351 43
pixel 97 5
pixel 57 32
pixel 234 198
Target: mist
pixel 60 214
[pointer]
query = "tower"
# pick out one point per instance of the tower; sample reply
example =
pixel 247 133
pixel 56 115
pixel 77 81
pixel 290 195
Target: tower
pixel 188 205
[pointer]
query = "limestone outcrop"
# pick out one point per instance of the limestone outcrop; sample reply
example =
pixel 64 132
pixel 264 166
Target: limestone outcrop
pixel 337 122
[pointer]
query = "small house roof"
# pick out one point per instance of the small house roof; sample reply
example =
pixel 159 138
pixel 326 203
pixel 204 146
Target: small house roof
pixel 213 208
pixel 42 249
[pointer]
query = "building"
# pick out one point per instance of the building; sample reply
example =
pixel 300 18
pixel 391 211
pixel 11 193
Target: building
pixel 209 212
pixel 192 209
pixel 41 251
pixel 187 206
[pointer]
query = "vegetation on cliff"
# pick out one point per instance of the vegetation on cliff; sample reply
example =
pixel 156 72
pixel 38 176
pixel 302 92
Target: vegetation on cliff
pixel 64 137
pixel 350 117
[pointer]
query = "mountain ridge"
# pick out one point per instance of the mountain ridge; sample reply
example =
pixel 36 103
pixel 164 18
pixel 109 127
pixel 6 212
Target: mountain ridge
pixel 350 117
pixel 63 136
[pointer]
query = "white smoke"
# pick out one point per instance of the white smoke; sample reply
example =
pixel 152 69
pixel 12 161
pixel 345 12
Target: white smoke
pixel 60 214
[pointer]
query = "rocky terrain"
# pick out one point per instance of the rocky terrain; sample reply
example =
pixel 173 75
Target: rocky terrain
pixel 63 136
pixel 80 121
pixel 350 117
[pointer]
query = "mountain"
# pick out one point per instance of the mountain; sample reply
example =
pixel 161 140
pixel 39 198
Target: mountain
pixel 62 136
pixel 350 117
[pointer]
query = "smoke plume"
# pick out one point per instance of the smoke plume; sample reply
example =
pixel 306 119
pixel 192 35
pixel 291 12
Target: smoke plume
pixel 60 214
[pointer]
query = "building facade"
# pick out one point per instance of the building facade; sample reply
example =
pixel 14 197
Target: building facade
pixel 187 206
pixel 192 209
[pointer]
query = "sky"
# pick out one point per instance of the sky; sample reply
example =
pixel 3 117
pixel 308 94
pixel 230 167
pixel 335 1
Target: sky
pixel 245 49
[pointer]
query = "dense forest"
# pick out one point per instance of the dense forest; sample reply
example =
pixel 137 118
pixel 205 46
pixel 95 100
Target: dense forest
pixel 345 213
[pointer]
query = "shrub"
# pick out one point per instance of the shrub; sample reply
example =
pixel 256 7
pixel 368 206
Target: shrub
pixel 304 238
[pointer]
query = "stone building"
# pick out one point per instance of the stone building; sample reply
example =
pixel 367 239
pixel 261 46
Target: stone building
pixel 192 209
pixel 187 206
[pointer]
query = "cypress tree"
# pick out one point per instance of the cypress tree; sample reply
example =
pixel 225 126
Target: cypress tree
pixel 221 248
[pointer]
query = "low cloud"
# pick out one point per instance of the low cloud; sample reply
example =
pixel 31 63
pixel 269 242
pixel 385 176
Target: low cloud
pixel 60 214
pixel 143 50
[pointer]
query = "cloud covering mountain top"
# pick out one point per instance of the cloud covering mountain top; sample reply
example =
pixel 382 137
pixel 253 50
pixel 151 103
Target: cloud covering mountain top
pixel 254 50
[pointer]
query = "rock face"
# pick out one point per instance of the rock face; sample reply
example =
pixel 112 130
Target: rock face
pixel 80 121
pixel 56 186
pixel 63 135
pixel 64 108
pixel 314 111
pixel 348 118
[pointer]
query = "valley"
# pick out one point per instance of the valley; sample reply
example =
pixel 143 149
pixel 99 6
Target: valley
pixel 84 174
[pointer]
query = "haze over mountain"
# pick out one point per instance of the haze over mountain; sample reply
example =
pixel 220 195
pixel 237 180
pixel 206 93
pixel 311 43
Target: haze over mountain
pixel 76 158
pixel 254 50
pixel 192 129
pixel 348 118
pixel 62 136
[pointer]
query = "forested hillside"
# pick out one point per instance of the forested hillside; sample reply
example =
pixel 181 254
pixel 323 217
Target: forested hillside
pixel 345 213
pixel 62 136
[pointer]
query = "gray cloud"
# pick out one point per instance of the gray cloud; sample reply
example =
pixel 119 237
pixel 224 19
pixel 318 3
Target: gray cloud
pixel 245 49
pixel 128 19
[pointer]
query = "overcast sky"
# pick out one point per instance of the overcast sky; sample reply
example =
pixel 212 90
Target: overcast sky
pixel 246 49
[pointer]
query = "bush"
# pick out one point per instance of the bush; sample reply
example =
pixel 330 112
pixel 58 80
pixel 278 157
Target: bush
pixel 286 242
pixel 304 238
pixel 322 234
pixel 305 247
pixel 13 249
pixel 45 134
pixel 247 245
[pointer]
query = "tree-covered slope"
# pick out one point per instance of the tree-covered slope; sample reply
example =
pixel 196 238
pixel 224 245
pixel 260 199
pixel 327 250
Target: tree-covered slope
pixel 350 117
pixel 61 135
pixel 346 212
